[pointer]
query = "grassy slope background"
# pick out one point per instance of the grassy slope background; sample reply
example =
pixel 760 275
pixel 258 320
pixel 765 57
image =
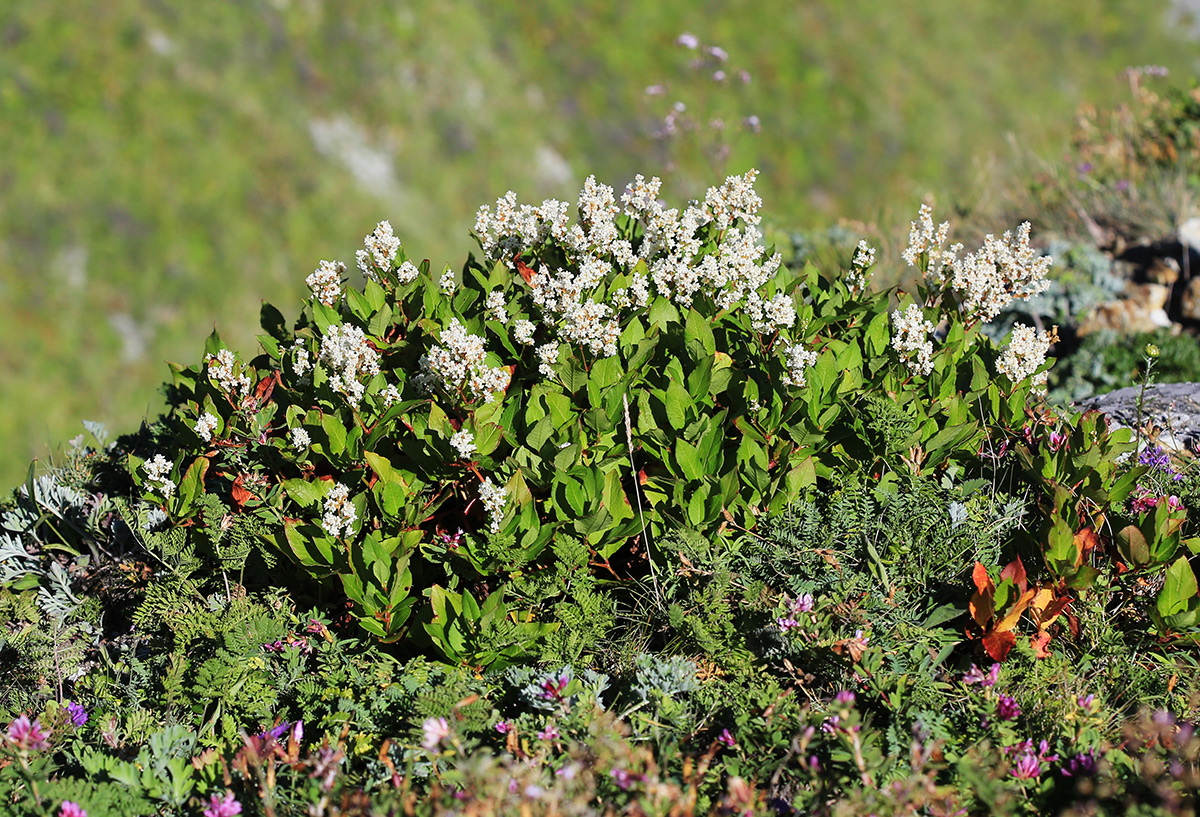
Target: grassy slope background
pixel 165 166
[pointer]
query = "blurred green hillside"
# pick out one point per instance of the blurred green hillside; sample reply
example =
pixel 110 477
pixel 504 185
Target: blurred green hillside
pixel 164 166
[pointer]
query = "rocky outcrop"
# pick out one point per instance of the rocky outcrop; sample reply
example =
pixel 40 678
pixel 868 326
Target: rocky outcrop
pixel 1173 409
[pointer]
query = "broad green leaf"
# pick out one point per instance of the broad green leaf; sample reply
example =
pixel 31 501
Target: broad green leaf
pixel 335 432
pixel 1178 589
pixel 699 336
pixel 305 493
pixel 688 458
pixel 678 402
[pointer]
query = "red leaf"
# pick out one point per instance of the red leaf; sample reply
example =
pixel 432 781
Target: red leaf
pixel 524 269
pixel 983 582
pixel 998 644
pixel 1039 643
pixel 1015 570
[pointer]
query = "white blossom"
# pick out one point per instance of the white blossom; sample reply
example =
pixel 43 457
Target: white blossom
pixel 495 305
pixel 300 439
pixel 340 512
pixel 380 253
pixel 348 355
pixel 494 500
pixel 860 265
pixel 910 338
pixel 223 368
pixel 734 200
pixel 391 396
pixel 302 363
pixel 924 240
pixel 548 355
pixel 459 364
pixel 326 282
pixel 989 279
pixel 157 468
pixel 523 332
pixel 797 359
pixel 464 443
pixel 407 273
pixel 769 316
pixel 1024 355
pixel 447 282
pixel 205 426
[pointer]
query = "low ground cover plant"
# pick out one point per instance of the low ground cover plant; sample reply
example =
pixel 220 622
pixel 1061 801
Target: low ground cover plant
pixel 623 515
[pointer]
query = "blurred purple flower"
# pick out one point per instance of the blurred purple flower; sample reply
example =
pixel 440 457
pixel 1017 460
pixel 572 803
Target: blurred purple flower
pixel 504 727
pixel 549 733
pixel 753 124
pixel 1081 765
pixel 69 809
pixel 27 735
pixel 688 40
pixel 726 737
pixel 718 76
pixel 977 676
pixel 225 806
pixel 655 90
pixel 717 52
pixel 845 697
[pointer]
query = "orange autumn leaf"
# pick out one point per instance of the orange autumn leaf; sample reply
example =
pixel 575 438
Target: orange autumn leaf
pixel 1047 606
pixel 1040 642
pixel 1014 614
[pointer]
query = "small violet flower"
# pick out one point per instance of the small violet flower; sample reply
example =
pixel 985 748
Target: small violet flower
pixel 624 779
pixel 1027 767
pixel 504 727
pixel 845 697
pixel 69 809
pixel 77 713
pixel 1081 765
pixel 549 733
pixel 976 676
pixel 726 738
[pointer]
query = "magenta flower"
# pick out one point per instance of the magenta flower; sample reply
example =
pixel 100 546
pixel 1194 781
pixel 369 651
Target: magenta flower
pixel 803 603
pixel 27 735
pixel 549 733
pixel 226 806
pixel 69 809
pixel 1007 708
pixel 504 727
pixel 726 737
pixel 977 676
pixel 624 779
pixel 845 697
pixel 786 624
pixel 1027 767
pixel 1081 765
pixel 436 730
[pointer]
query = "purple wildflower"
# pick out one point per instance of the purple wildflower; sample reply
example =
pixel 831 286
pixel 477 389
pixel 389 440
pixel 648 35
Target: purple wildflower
pixel 1007 708
pixel 1081 765
pixel 977 676
pixel 845 697
pixel 802 603
pixel 549 733
pixel 726 737
pixel 786 624
pixel 1027 767
pixel 688 40
pixel 624 779
pixel 77 713
pixel 27 735
pixel 504 727
pixel 1156 458
pixel 69 809
pixel 225 806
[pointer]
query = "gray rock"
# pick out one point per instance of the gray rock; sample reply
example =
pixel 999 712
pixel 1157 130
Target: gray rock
pixel 1174 409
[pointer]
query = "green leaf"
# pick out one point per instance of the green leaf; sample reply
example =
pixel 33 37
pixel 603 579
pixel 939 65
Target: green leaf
pixel 1178 589
pixel 699 336
pixel 376 297
pixel 662 312
pixel 877 335
pixel 678 401
pixel 335 432
pixel 304 493
pixel 688 458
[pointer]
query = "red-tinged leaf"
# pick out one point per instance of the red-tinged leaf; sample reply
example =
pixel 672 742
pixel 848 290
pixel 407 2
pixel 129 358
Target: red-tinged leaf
pixel 239 493
pixel 981 609
pixel 524 269
pixel 1039 643
pixel 1015 570
pixel 1086 541
pixel 265 387
pixel 1047 606
pixel 983 582
pixel 1014 613
pixel 998 644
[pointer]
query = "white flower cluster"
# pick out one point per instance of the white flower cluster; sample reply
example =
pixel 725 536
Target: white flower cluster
pixel 407 273
pixel 924 240
pixel 447 282
pixel 380 253
pixel 302 362
pixel 348 355
pixel 494 500
pixel 205 426
pixel 768 316
pixel 326 282
pixel 340 512
pixel 223 368
pixel 464 443
pixel 391 396
pixel 860 266
pixel 523 332
pixel 1025 353
pixel 458 363
pixel 797 359
pixel 679 265
pixel 999 272
pixel 496 306
pixel 910 338
pixel 300 439
pixel 157 468
pixel 548 355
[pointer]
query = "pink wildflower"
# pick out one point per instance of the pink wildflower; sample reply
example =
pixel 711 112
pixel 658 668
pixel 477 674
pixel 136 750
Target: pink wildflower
pixel 27 735
pixel 225 806
pixel 69 809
